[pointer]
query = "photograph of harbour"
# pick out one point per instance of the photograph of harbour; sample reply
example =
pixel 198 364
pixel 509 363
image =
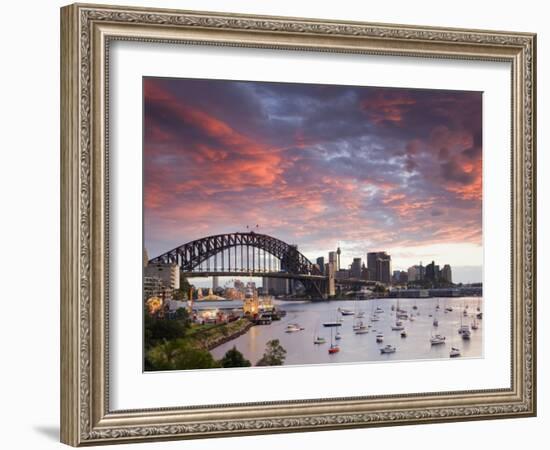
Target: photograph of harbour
pixel 295 224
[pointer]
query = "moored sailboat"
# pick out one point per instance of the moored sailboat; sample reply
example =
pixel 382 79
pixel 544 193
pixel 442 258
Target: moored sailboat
pixel 334 348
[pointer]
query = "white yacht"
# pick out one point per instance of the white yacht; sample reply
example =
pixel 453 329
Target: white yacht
pixel 437 339
pixel 293 327
pixel 454 353
pixel 388 349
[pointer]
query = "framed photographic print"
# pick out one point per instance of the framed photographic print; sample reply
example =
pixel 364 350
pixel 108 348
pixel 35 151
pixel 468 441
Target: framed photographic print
pixel 277 225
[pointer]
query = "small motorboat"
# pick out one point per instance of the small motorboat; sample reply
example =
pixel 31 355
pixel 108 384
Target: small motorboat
pixel 346 312
pixel 437 339
pixel 435 323
pixel 455 352
pixel 463 329
pixel 404 334
pixel 337 336
pixel 293 327
pixel 449 309
pixel 358 326
pixel 332 324
pixel 319 340
pixel 362 330
pixel 388 349
pixel 379 337
pixel 378 310
pixel 466 335
pixel 397 327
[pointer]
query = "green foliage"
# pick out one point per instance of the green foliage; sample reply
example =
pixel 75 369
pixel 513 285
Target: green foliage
pixel 183 315
pixel 178 355
pixel 234 358
pixel 379 288
pixel 156 329
pixel 274 354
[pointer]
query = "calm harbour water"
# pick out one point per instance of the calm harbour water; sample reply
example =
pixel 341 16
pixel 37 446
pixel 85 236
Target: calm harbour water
pixel 362 348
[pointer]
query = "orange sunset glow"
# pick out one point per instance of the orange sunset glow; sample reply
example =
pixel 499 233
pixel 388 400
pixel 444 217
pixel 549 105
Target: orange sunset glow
pixel 365 168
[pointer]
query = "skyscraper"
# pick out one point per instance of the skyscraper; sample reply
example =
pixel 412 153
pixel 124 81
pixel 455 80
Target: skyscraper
pixel 415 273
pixel 321 264
pixel 379 267
pixel 432 272
pixel 446 274
pixel 356 268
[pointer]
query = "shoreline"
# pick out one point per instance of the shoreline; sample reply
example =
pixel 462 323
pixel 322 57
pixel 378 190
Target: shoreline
pixel 211 342
pixel 319 300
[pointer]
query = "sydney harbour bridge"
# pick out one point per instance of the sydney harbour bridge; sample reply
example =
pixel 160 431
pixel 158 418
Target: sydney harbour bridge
pixel 255 254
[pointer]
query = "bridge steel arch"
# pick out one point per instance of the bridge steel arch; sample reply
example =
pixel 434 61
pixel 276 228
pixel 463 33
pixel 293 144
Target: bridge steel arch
pixel 192 254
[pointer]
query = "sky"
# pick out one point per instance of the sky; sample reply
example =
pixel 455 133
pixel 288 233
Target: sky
pixel 320 166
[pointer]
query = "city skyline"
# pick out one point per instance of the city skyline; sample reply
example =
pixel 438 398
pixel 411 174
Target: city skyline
pixel 366 169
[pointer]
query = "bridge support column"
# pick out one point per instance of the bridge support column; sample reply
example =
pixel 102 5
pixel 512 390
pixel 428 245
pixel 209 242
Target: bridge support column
pixel 331 285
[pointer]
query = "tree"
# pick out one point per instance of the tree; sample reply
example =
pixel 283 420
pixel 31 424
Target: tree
pixel 178 355
pixel 234 358
pixel 274 354
pixel 183 315
pixel 156 329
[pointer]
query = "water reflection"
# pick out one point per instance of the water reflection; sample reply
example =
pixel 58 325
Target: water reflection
pixel 363 347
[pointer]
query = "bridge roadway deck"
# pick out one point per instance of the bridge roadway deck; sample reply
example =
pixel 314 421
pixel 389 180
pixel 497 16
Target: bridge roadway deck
pixel 202 274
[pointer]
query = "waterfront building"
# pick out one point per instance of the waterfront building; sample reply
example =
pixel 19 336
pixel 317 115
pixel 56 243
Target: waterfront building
pixel 168 273
pixel 379 267
pixel 276 286
pixel 342 274
pixel 152 287
pixel 356 268
pixel 321 263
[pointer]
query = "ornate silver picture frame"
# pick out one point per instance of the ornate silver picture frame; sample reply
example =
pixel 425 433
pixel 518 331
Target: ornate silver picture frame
pixel 87 32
